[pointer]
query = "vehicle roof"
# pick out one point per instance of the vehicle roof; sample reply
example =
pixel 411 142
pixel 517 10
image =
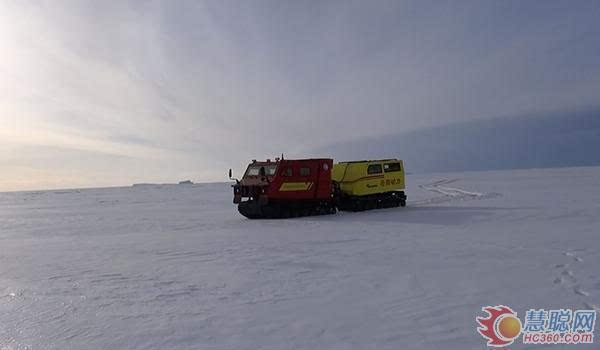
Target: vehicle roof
pixel 263 162
pixel 371 161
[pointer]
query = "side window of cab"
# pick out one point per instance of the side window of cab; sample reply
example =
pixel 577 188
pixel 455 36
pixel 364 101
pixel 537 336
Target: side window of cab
pixel 287 172
pixel 304 171
pixel 374 169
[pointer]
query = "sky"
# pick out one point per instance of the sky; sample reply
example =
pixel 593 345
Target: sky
pixel 108 93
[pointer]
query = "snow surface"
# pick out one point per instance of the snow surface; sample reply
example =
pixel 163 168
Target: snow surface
pixel 176 267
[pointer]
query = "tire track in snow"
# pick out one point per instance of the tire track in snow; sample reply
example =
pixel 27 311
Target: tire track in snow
pixel 572 279
pixel 451 193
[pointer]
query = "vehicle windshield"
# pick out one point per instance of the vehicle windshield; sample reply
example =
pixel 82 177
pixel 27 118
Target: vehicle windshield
pixel 254 170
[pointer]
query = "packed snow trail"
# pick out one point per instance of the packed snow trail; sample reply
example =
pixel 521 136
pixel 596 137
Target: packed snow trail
pixel 157 267
pixel 450 193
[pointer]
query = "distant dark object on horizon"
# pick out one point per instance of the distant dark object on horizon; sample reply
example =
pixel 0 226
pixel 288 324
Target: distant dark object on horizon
pixel 186 182
pixel 529 141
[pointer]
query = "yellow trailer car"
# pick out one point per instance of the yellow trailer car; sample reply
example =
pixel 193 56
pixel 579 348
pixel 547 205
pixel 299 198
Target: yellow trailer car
pixel 369 184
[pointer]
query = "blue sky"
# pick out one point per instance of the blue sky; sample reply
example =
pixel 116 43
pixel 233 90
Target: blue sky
pixel 116 92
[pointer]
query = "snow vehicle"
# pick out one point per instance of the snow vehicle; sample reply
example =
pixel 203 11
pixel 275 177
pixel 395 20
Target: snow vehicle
pixel 285 188
pixel 300 187
pixel 369 184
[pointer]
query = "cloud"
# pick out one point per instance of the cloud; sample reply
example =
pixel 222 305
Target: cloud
pixel 193 88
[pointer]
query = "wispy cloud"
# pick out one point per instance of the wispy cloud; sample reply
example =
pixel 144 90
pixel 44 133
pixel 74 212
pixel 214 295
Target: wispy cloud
pixel 189 89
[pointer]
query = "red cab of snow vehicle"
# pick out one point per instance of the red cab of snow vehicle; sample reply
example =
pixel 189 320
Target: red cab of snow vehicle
pixel 285 188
